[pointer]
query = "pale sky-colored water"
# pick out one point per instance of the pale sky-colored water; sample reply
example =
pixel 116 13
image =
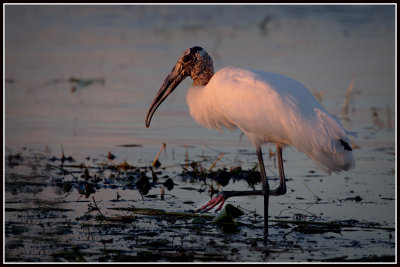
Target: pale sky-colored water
pixel 133 48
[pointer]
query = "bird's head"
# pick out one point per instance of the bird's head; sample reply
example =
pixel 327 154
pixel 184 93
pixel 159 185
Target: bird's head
pixel 194 62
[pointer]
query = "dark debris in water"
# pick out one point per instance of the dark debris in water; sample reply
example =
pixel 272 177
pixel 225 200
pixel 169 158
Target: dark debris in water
pixel 222 176
pixel 169 184
pixel 77 83
pixel 356 198
pixel 125 231
pixel 317 229
pixel 14 160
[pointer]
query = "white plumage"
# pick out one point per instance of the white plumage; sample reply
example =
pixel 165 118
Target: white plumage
pixel 267 107
pixel 270 107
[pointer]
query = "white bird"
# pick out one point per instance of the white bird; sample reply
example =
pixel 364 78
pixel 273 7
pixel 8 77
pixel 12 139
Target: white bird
pixel 267 107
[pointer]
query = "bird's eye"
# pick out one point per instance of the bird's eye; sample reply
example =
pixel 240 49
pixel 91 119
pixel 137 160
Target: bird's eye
pixel 185 59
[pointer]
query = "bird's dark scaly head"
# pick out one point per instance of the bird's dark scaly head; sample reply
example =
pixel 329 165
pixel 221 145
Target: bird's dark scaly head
pixel 194 62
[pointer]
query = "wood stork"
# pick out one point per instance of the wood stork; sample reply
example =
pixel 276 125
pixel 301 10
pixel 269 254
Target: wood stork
pixel 267 107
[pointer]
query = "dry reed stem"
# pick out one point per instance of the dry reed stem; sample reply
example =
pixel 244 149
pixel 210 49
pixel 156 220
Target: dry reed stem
pixel 345 107
pixel 215 161
pixel 159 153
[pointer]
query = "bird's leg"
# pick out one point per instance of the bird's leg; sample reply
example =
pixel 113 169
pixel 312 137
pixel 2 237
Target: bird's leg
pixel 281 190
pixel 265 191
pixel 224 195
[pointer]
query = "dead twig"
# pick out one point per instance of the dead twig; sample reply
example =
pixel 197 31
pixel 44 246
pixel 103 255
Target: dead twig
pixel 345 107
pixel 215 161
pixel 98 209
pixel 318 199
pixel 50 165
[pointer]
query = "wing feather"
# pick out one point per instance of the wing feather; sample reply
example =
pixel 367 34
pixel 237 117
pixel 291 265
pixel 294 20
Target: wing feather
pixel 270 107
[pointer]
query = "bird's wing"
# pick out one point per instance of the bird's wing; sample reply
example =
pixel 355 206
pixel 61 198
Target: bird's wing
pixel 270 107
pixel 267 104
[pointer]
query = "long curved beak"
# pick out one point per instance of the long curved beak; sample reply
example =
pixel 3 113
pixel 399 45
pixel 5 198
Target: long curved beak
pixel 174 78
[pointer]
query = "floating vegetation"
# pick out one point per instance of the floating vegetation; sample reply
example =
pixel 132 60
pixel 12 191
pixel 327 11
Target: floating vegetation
pixel 356 198
pixel 159 212
pixel 345 107
pixel 143 184
pixel 130 145
pixel 156 163
pixel 64 158
pixel 169 184
pixel 227 215
pixel 316 197
pixel 110 156
pixel 111 210
pixel 14 160
pixel 77 83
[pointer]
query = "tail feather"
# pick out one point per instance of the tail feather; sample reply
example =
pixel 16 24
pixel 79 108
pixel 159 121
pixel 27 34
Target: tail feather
pixel 330 147
pixel 332 162
pixel 345 145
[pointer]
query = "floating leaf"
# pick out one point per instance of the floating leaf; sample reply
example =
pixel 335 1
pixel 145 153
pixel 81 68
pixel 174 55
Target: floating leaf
pixel 143 184
pixel 169 184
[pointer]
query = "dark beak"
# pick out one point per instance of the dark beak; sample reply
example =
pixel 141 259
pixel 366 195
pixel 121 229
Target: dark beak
pixel 174 78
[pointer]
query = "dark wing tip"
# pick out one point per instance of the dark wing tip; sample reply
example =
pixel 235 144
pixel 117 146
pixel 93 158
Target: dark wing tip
pixel 345 145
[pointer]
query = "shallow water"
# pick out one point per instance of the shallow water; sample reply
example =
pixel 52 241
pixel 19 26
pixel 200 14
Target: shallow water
pixel 127 51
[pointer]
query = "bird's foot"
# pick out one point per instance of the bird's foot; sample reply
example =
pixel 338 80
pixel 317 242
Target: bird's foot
pixel 220 198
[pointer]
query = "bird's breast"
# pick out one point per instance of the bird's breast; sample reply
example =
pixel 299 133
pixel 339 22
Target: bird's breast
pixel 205 108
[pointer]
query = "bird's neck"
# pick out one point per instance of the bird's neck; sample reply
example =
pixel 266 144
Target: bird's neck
pixel 202 79
pixel 202 73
